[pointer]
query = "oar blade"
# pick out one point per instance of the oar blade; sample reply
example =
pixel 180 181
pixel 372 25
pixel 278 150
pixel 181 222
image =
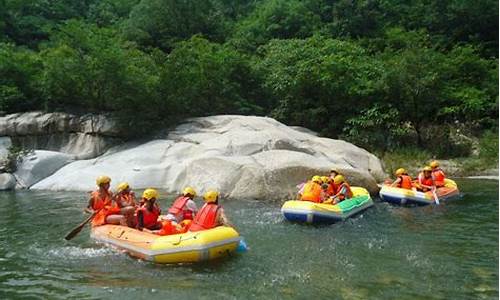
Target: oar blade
pixel 74 232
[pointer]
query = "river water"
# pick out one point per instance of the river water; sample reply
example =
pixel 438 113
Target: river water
pixel 448 251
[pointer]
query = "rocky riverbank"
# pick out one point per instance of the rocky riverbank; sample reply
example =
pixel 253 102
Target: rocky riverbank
pixel 242 156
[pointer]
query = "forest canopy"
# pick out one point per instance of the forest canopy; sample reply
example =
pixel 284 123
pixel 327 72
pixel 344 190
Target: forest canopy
pixel 379 73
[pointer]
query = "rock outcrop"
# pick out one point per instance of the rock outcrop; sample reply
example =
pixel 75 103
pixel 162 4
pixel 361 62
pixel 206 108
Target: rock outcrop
pixel 83 137
pixel 39 165
pixel 243 157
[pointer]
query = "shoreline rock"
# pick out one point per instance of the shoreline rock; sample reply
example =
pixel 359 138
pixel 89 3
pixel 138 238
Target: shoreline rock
pixel 241 156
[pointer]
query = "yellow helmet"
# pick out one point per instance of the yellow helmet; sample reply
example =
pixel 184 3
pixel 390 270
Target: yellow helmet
pixel 316 179
pixel 122 186
pixel 325 179
pixel 189 191
pixel 427 168
pixel 338 179
pixel 434 164
pixel 102 179
pixel 400 172
pixel 210 196
pixel 149 194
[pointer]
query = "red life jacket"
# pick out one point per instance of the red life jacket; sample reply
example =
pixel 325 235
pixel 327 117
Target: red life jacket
pixel 126 199
pixel 312 192
pixel 179 207
pixel 405 182
pixel 425 181
pixel 206 218
pixel 99 201
pixel 149 218
pixel 438 176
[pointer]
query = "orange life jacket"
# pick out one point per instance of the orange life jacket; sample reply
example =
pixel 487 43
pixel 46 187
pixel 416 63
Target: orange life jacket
pixel 206 218
pixel 332 187
pixel 98 201
pixel 149 218
pixel 126 199
pixel 438 176
pixel 104 207
pixel 425 181
pixel 179 207
pixel 312 192
pixel 405 182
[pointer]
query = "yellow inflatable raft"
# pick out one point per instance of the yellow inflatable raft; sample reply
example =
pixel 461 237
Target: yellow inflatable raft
pixel 187 247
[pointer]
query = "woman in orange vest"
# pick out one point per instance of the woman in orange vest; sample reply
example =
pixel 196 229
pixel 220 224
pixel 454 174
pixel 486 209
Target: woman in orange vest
pixel 343 191
pixel 210 215
pixel 147 215
pixel 403 180
pixel 101 203
pixel 312 190
pixel 125 199
pixel 424 181
pixel 437 174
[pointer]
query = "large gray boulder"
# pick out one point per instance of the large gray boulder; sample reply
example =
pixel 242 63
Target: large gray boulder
pixel 39 165
pixel 7 181
pixel 243 157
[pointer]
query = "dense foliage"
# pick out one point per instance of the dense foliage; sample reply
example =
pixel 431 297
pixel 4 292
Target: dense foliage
pixel 380 73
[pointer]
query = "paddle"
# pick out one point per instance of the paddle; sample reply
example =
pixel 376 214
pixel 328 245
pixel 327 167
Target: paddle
pixel 436 199
pixel 242 246
pixel 79 228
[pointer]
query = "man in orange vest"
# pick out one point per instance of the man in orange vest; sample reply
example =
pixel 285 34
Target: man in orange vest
pixel 147 215
pixel 343 191
pixel 210 215
pixel 437 174
pixel 101 203
pixel 403 180
pixel 312 190
pixel 424 181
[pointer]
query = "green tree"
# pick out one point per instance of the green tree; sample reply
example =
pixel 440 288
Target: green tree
pixel 202 78
pixel 319 82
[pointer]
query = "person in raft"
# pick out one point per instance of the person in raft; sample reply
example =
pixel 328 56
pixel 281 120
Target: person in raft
pixel 125 199
pixel 312 190
pixel 425 182
pixel 437 174
pixel 403 180
pixel 333 187
pixel 183 208
pixel 148 213
pixel 210 215
pixel 343 191
pixel 180 214
pixel 101 203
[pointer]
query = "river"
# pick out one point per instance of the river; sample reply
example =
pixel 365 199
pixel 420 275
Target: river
pixel 448 251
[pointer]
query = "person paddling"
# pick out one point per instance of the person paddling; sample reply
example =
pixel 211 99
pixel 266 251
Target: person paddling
pixel 437 174
pixel 210 215
pixel 424 180
pixel 125 199
pixel 148 213
pixel 403 180
pixel 101 202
